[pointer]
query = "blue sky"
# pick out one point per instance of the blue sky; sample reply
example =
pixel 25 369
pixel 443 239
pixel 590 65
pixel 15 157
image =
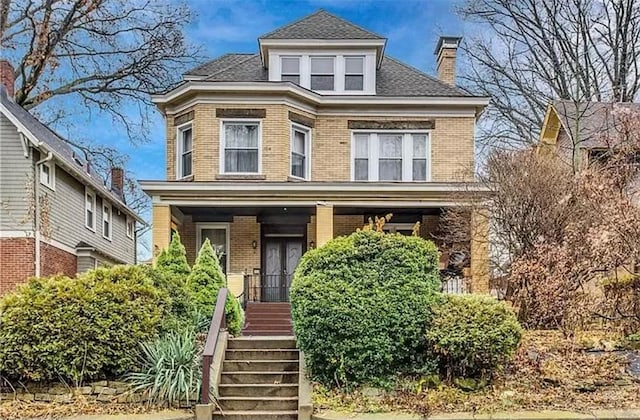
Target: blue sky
pixel 220 26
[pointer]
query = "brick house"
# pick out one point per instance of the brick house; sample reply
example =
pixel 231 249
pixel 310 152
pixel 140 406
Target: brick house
pixel 273 153
pixel 77 223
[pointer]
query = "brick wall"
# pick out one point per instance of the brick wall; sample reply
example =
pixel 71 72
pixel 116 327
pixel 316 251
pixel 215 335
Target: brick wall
pixel 16 262
pixel 17 256
pixel 447 65
pixel 56 261
pixel 346 224
pixel 452 144
pixel 243 258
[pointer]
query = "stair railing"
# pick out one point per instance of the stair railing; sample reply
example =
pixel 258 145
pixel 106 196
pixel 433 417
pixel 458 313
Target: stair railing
pixel 218 323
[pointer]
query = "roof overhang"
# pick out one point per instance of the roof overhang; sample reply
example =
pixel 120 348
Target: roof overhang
pixel 318 44
pixel 293 90
pixel 278 194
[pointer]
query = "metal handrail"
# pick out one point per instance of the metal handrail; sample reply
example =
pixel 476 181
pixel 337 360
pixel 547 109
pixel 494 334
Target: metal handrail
pixel 218 322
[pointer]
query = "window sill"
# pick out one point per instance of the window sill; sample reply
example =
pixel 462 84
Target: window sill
pixel 234 177
pixel 185 178
pixel 292 178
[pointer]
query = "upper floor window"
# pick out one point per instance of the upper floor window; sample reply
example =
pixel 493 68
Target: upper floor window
pixel 185 151
pixel 391 157
pixel 300 148
pixel 90 210
pixel 290 67
pixel 240 147
pixel 106 221
pixel 131 227
pixel 354 73
pixel 323 73
pixel 48 174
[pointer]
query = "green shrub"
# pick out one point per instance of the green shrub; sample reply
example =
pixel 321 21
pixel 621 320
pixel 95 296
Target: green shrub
pixel 204 282
pixel 360 305
pixel 173 260
pixel 75 329
pixel 169 369
pixel 473 335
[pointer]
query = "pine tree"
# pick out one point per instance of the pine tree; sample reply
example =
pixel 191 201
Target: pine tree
pixel 173 260
pixel 205 279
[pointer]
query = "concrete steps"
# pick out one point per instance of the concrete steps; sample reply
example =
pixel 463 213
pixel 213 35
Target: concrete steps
pixel 259 379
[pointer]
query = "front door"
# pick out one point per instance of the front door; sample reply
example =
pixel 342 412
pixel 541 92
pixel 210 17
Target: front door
pixel 281 256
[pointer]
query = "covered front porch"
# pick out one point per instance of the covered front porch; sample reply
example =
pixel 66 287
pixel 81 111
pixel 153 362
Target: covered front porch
pixel 260 235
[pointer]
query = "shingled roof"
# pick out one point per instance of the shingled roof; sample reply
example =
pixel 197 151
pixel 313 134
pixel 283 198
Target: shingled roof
pixel 321 25
pixel 393 78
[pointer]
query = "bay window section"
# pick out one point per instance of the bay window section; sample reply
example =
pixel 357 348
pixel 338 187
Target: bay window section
pixel 354 73
pixel 323 73
pixel 300 152
pixel 241 147
pixel 391 157
pixel 290 67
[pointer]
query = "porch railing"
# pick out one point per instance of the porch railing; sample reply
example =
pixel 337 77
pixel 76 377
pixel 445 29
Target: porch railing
pixel 218 322
pixel 266 287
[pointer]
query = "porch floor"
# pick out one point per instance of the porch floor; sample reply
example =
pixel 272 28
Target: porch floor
pixel 267 319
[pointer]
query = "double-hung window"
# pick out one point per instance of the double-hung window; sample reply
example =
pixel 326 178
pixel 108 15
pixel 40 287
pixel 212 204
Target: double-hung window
pixel 241 147
pixel 106 220
pixel 290 67
pixel 354 73
pixel 131 227
pixel 90 210
pixel 218 235
pixel 323 73
pixel 185 151
pixel 47 174
pixel 300 147
pixel 391 157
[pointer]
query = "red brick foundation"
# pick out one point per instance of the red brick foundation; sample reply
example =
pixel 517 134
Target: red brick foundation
pixel 17 256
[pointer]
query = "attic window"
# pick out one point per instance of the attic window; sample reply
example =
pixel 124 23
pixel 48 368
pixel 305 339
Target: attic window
pixel 354 73
pixel 323 73
pixel 290 69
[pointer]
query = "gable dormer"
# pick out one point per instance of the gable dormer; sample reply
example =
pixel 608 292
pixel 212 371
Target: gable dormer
pixel 324 53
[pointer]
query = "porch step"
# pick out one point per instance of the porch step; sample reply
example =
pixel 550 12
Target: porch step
pixel 258 403
pixel 262 354
pixel 265 333
pixel 273 378
pixel 256 415
pixel 260 365
pixel 276 342
pixel 258 390
pixel 266 318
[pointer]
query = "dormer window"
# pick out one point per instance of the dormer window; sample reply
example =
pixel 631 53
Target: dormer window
pixel 354 73
pixel 323 73
pixel 290 69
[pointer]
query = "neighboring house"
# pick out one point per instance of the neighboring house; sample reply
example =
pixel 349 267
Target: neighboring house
pixel 77 224
pixel 273 153
pixel 584 132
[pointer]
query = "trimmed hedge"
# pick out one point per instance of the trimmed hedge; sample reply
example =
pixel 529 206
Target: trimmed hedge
pixel 360 304
pixel 473 335
pixel 79 329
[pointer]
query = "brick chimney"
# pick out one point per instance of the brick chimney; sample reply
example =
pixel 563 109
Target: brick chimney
pixel 7 76
pixel 446 58
pixel 117 181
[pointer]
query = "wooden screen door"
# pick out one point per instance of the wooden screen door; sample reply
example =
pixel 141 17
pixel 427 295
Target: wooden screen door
pixel 281 256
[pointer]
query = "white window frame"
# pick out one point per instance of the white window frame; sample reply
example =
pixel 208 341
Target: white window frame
pixel 345 74
pixel 223 143
pixel 407 154
pixel 130 223
pixel 299 67
pixel 89 193
pixel 179 152
pixel 307 151
pixel 52 174
pixel 335 74
pixel 221 226
pixel 110 233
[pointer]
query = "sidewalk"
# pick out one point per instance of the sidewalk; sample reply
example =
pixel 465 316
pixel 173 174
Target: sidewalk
pixel 628 414
pixel 160 415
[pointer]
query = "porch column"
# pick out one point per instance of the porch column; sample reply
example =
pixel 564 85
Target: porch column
pixel 324 223
pixel 161 233
pixel 480 251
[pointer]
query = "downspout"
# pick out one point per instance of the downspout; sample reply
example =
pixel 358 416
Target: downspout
pixel 36 192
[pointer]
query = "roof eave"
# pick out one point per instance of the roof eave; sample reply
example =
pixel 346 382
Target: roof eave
pixel 266 43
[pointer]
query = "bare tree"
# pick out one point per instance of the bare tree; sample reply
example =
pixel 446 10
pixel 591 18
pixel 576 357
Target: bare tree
pixel 535 51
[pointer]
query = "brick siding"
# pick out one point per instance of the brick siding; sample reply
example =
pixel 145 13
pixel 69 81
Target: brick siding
pixel 56 261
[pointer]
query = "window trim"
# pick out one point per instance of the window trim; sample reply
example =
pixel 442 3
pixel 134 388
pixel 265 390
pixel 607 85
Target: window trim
pixel 92 194
pixel 299 74
pixel 223 142
pixel 307 151
pixel 52 174
pixel 335 59
pixel 364 61
pixel 179 152
pixel 107 204
pixel 224 226
pixel 130 222
pixel 407 154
